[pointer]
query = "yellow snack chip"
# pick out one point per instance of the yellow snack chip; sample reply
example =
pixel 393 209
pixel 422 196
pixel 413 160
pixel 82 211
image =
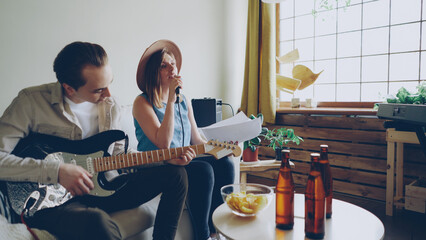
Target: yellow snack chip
pixel 246 210
pixel 246 203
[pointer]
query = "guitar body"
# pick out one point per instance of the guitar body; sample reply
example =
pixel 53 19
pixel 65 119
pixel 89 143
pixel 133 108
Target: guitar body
pixel 41 146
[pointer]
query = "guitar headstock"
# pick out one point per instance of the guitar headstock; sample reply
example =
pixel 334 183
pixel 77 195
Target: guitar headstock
pixel 222 149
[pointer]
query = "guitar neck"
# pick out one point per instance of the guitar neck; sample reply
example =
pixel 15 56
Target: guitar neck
pixel 141 158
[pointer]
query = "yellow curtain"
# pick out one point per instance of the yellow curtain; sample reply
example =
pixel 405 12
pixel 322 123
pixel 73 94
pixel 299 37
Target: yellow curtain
pixel 259 89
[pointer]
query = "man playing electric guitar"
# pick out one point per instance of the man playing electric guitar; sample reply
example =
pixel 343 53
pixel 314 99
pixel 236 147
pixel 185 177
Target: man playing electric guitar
pixel 76 107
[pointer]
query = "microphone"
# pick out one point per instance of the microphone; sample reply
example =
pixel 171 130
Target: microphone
pixel 177 91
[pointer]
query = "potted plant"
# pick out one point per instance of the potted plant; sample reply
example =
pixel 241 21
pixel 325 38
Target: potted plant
pixel 250 149
pixel 406 97
pixel 403 96
pixel 279 137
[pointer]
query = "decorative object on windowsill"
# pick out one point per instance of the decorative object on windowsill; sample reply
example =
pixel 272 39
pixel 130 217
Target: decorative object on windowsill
pixel 250 149
pixel 405 97
pixel 289 57
pixel 302 75
pixel 305 75
pixel 295 102
pixel 287 84
pixel 280 137
pixel 309 103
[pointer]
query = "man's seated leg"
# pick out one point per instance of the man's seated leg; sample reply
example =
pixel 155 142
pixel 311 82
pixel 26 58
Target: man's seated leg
pixel 75 220
pixel 147 183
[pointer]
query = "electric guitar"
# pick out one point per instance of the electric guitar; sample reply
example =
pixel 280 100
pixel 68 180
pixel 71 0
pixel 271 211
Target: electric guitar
pixel 92 155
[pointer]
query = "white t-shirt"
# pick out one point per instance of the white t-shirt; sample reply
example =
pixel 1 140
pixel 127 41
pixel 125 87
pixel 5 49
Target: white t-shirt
pixel 87 115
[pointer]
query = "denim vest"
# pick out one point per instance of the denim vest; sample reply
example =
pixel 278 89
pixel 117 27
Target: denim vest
pixel 144 144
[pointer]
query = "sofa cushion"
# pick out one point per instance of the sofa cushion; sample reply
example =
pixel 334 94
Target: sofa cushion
pixel 133 221
pixel 18 231
pixel 127 125
pixel 5 209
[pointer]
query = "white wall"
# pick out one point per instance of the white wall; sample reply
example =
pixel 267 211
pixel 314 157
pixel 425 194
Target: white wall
pixel 210 34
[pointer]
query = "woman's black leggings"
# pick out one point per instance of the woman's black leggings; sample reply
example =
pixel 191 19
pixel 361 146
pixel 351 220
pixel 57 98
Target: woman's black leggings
pixel 206 175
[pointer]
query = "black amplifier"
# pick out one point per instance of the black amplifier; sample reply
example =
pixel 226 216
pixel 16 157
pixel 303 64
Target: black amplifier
pixel 207 111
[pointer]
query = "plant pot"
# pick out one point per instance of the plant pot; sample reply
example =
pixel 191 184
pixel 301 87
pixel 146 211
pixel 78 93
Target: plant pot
pixel 250 156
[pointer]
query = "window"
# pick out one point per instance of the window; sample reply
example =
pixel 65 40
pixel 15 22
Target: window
pixel 368 49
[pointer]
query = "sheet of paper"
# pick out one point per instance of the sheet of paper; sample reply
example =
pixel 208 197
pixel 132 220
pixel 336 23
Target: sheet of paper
pixel 289 57
pixel 237 128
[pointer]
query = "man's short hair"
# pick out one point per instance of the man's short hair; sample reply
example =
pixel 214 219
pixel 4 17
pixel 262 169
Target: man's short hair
pixel 73 58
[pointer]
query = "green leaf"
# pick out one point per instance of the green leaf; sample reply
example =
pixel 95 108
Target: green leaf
pixel 255 141
pixel 279 137
pixel 392 100
pixel 421 91
pixel 402 95
pixel 246 145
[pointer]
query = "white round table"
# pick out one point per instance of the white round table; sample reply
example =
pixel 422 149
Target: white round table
pixel 347 222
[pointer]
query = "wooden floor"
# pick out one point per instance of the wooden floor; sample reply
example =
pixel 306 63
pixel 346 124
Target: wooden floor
pixel 403 225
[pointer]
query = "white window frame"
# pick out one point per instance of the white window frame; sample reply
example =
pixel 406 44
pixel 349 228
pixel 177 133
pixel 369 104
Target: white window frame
pixel 394 56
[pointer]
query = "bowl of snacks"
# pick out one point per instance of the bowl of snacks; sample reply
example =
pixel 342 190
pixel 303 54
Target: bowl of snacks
pixel 247 199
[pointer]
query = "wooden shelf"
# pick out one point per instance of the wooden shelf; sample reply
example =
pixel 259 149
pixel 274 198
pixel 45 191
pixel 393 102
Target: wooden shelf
pixel 330 108
pixel 328 111
pixel 395 170
pixel 261 166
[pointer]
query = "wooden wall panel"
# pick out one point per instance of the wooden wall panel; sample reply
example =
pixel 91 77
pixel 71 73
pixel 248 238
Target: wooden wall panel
pixel 367 191
pixel 348 148
pixel 364 163
pixel 366 136
pixel 414 154
pixel 357 153
pixel 367 123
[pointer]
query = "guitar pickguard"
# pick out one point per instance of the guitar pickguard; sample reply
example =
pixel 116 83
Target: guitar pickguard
pixel 54 195
pixel 84 161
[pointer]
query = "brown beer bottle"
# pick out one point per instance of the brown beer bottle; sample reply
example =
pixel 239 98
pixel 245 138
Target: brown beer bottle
pixel 284 211
pixel 315 201
pixel 327 179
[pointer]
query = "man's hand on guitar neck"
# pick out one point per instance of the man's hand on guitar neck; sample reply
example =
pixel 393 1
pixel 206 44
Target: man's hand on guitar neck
pixel 75 179
pixel 184 159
